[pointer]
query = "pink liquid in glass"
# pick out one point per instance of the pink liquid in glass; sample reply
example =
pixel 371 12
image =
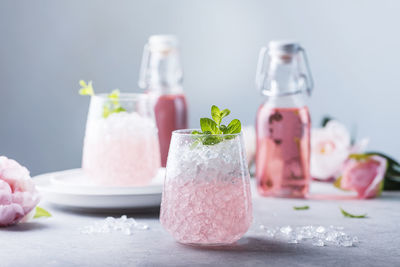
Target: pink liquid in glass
pixel 171 115
pixel 283 151
pixel 207 212
pixel 121 150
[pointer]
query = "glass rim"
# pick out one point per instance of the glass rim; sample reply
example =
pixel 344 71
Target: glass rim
pixel 124 96
pixel 188 132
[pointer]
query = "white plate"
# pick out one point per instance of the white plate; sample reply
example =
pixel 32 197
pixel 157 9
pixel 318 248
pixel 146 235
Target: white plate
pixel 72 189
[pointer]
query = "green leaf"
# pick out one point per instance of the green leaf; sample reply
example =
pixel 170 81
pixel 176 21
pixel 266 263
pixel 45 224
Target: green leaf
pixel 211 140
pixel 114 96
pixel 207 124
pixel 216 114
pixel 225 113
pixel 41 212
pixel 389 159
pixel 349 215
pixel 113 105
pixel 301 207
pixel 359 157
pixel 338 183
pixel 234 127
pixel 119 109
pixel 82 83
pixel 106 111
pixel 86 89
pixel 325 120
pixel 212 127
pixel 223 128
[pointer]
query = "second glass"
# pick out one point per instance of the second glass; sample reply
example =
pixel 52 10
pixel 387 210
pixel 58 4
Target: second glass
pixel 206 198
pixel 121 143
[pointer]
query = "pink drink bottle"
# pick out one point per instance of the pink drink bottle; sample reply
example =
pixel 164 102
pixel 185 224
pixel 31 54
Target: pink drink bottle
pixel 283 121
pixel 161 76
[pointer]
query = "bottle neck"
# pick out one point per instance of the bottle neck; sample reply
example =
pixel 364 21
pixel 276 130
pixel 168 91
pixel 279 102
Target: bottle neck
pixel 165 90
pixel 283 77
pixel 162 72
pixel 295 100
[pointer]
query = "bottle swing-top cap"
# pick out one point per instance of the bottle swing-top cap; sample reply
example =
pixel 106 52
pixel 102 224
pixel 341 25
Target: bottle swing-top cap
pixel 162 42
pixel 283 69
pixel 161 69
pixel 283 47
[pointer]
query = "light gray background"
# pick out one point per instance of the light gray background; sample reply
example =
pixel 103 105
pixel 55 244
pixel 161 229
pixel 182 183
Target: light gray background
pixel 47 46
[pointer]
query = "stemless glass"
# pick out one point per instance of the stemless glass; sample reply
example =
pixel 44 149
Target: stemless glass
pixel 206 198
pixel 121 147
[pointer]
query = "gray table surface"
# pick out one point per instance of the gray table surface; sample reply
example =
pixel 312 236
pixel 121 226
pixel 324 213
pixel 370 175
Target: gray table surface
pixel 57 241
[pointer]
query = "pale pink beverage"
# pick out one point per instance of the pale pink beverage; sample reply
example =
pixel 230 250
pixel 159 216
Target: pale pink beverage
pixel 171 114
pixel 206 198
pixel 283 151
pixel 121 149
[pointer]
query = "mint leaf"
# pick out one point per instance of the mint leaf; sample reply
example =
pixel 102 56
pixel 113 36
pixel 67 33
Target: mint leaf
pixel 223 128
pixel 212 128
pixel 211 140
pixel 301 207
pixel 113 106
pixel 234 127
pixel 114 96
pixel 225 113
pixel 119 109
pixel 109 107
pixel 216 114
pixel 349 215
pixel 86 89
pixel 208 125
pixel 41 212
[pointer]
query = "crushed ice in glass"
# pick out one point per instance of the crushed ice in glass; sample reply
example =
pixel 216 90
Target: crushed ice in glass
pixel 318 236
pixel 110 224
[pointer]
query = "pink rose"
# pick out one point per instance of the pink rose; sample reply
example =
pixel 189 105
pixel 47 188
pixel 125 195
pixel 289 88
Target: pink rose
pixel 364 174
pixel 18 195
pixel 330 147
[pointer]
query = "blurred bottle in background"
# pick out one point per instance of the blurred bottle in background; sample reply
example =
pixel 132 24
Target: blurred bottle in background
pixel 283 121
pixel 161 76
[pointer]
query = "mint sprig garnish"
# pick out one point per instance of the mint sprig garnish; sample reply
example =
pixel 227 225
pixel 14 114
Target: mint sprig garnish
pixel 349 215
pixel 112 106
pixel 212 129
pixel 109 107
pixel 86 88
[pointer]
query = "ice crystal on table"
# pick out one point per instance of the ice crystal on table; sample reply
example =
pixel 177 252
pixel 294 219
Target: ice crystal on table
pixel 110 224
pixel 318 236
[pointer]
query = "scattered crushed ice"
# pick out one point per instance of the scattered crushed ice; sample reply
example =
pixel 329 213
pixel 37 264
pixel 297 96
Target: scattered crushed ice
pixel 319 236
pixel 110 224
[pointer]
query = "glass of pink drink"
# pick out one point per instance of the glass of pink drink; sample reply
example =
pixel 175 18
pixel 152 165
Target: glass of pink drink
pixel 206 198
pixel 122 148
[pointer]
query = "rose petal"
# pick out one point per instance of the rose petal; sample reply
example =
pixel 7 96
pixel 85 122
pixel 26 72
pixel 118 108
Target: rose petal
pixel 10 214
pixel 329 149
